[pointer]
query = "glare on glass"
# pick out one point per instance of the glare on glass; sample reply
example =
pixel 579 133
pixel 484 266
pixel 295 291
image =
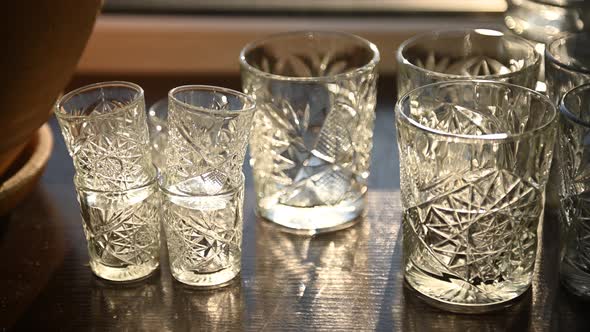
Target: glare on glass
pixel 573 152
pixel 475 158
pixel 105 130
pixel 203 184
pixel 543 20
pixel 461 54
pixel 312 136
pixel 158 128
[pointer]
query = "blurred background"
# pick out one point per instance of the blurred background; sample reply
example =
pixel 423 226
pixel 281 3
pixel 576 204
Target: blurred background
pixel 160 44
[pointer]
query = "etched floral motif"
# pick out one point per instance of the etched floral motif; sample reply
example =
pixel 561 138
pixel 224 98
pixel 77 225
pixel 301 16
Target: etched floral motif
pixel 452 55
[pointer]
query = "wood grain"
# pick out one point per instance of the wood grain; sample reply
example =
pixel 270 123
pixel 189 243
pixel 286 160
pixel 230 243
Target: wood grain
pixel 349 280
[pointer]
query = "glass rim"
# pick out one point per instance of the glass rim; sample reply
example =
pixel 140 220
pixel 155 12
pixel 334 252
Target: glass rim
pixel 370 65
pixel 248 108
pixel 563 109
pixel 152 180
pixel 225 192
pixel 401 59
pixel 562 39
pixel 108 84
pixel 495 137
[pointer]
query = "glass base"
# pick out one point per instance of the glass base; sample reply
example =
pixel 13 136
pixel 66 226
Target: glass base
pixel 314 220
pixel 466 308
pixel 575 280
pixel 130 273
pixel 206 280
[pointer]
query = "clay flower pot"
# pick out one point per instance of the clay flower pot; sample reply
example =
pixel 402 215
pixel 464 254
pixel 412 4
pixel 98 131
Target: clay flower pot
pixel 42 41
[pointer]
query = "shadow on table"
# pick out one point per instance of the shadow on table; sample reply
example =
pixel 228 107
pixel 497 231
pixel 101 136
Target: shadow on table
pixel 571 313
pixel 32 248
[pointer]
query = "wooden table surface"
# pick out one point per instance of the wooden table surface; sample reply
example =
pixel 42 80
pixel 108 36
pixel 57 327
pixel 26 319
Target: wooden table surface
pixel 348 280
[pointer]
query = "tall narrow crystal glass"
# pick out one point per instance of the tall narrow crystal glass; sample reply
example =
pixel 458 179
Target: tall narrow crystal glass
pixel 105 130
pixel 203 184
pixel 312 137
pixel 475 158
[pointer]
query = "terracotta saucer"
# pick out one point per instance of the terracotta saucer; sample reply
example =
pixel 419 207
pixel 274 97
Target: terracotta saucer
pixel 25 172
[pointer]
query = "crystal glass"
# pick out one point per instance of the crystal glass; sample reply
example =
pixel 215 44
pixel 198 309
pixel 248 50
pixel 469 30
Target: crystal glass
pixel 475 158
pixel 204 234
pixel 455 55
pixel 122 230
pixel 203 184
pixel 573 152
pixel 567 65
pixel 543 20
pixel 312 137
pixel 158 128
pixel 105 130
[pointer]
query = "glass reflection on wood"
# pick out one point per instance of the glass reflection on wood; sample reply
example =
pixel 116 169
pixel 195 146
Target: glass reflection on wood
pixel 325 273
pixel 209 310
pixel 418 316
pixel 134 306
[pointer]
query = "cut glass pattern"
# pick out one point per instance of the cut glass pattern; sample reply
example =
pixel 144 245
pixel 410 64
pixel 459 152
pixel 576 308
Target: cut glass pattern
pixel 204 234
pixel 311 140
pixel 472 205
pixel 205 150
pixel 123 231
pixel 479 53
pixel 109 142
pixel 208 130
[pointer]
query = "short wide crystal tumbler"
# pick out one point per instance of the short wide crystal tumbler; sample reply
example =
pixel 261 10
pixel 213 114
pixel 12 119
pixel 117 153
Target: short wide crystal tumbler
pixel 475 158
pixel 573 152
pixel 462 54
pixel 312 136
pixel 203 184
pixel 105 130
